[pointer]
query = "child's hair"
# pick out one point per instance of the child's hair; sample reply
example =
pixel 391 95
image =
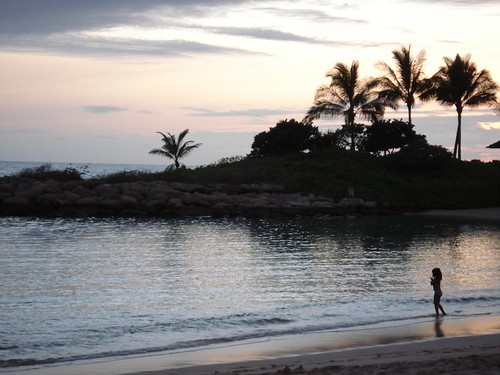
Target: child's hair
pixel 436 272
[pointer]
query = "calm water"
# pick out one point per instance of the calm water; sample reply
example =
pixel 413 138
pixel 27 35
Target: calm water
pixel 84 288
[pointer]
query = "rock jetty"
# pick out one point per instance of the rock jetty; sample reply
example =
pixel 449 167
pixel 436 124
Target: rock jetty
pixel 93 198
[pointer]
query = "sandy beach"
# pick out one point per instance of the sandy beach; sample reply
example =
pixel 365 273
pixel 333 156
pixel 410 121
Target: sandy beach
pixel 450 345
pixel 477 354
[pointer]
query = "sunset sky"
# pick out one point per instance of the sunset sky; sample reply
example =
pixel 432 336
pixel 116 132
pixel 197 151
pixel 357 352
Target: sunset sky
pixel 91 81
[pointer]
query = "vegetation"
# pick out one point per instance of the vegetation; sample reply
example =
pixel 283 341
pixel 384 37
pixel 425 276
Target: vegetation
pixel 348 96
pixel 459 83
pixel 420 176
pixel 175 148
pixel 287 136
pixel 407 81
pixel 385 161
pixel 45 171
pixel 388 135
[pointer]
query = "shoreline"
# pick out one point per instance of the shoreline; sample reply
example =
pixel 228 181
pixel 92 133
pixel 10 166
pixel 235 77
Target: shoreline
pixel 489 213
pixel 428 340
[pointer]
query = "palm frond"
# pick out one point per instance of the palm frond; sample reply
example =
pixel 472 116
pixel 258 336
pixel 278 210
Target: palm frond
pixel 174 148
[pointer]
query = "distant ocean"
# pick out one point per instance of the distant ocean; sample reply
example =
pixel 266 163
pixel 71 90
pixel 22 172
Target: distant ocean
pixel 8 168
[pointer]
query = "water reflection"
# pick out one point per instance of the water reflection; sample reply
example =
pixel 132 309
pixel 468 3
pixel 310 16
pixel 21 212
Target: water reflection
pixel 438 329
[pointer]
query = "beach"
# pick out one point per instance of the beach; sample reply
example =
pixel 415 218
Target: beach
pixel 458 355
pixel 488 213
pixel 454 345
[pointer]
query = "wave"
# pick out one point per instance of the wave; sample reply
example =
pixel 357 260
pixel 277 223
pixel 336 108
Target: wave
pixel 235 329
pixel 473 299
pixel 188 345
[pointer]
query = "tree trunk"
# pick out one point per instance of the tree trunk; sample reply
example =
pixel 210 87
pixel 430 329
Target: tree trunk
pixel 457 150
pixel 409 113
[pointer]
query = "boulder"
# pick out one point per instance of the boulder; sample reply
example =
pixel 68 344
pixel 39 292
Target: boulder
pixel 15 206
pixel 107 191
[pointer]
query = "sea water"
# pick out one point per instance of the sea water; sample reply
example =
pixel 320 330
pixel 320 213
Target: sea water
pixel 74 289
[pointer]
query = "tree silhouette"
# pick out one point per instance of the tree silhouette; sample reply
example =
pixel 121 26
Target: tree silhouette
pixel 407 81
pixel 459 83
pixel 388 135
pixel 286 137
pixel 347 96
pixel 175 148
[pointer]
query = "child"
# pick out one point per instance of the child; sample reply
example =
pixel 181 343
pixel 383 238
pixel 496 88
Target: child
pixel 436 284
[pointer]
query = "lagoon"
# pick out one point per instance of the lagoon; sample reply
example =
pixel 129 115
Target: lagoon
pixel 74 289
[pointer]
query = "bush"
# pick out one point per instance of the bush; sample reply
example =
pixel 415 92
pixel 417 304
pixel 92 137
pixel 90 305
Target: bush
pixel 45 172
pixel 419 155
pixel 288 136
pixel 131 176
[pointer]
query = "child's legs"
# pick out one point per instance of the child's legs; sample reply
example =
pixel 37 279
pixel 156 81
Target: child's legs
pixel 437 303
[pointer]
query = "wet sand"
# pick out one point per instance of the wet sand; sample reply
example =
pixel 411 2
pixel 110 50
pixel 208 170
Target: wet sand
pixel 455 345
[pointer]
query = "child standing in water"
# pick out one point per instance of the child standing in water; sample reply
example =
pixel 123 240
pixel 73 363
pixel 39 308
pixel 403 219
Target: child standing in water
pixel 436 285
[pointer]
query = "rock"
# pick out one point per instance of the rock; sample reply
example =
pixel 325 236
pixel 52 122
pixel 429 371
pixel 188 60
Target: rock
pixel 175 202
pixel 351 202
pixel 30 193
pixel 7 188
pixel 162 198
pixel 161 191
pixel 4 196
pixel 107 191
pixel 70 196
pixel 82 191
pixel 128 201
pixel 190 188
pixel 15 206
pixel 86 202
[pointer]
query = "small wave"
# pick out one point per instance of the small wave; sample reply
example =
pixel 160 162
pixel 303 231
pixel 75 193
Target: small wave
pixel 473 299
pixel 9 347
pixel 189 345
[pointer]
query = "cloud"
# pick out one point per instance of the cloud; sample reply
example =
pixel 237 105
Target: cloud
pixel 68 26
pixel 489 125
pixel 77 27
pixel 277 35
pixel 471 3
pixel 314 15
pixel 56 16
pixel 93 46
pixel 103 109
pixel 252 112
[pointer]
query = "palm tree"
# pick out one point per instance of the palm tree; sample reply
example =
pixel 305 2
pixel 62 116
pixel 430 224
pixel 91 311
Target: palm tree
pixel 347 96
pixel 459 83
pixel 407 81
pixel 175 149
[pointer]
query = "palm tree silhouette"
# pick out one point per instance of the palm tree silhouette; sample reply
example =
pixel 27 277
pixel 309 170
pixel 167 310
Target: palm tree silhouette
pixel 459 83
pixel 347 96
pixel 407 81
pixel 174 148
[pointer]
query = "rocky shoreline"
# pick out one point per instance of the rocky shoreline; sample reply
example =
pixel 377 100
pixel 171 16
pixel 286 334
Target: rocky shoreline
pixel 93 198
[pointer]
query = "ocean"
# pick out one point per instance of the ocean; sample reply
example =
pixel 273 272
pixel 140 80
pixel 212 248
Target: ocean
pixel 99 289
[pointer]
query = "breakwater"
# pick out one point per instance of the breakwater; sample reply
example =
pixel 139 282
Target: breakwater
pixel 93 198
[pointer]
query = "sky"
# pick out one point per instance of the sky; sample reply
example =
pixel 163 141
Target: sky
pixel 92 81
